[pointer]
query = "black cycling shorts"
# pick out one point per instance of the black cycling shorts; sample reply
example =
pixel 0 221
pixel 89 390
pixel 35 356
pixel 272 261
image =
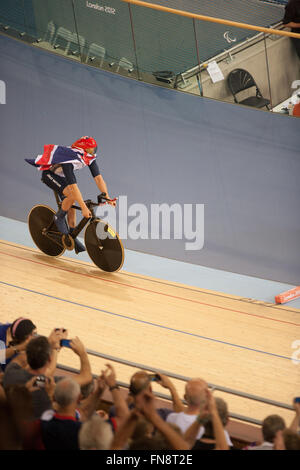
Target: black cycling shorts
pixel 55 182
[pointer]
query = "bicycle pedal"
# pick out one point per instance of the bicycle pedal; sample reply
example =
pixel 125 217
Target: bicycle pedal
pixel 79 247
pixel 68 242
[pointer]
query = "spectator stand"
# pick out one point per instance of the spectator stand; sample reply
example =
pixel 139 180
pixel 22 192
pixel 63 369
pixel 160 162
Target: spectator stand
pixel 243 430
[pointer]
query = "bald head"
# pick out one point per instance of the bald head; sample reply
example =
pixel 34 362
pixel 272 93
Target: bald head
pixel 139 382
pixel 195 394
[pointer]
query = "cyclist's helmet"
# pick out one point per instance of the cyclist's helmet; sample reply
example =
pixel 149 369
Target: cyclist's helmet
pixel 85 143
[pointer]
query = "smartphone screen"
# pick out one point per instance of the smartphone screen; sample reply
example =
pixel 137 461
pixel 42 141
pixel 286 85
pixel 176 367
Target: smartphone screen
pixel 154 377
pixel 65 343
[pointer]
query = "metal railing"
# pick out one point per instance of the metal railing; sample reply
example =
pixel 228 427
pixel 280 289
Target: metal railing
pixel 139 53
pixel 249 42
pixel 183 378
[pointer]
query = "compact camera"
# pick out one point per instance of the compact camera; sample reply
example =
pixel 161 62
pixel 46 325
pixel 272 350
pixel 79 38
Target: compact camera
pixel 40 381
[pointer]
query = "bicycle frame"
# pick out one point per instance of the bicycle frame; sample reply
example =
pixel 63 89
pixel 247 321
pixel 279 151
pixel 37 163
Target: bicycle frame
pixel 84 221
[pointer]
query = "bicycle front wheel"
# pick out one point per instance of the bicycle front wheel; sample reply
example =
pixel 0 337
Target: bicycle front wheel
pixel 104 246
pixel 44 232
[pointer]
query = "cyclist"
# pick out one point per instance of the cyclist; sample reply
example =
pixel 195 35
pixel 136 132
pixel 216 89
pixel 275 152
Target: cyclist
pixel 57 164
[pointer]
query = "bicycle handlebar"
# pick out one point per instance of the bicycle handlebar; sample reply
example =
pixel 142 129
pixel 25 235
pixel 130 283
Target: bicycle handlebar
pixel 101 198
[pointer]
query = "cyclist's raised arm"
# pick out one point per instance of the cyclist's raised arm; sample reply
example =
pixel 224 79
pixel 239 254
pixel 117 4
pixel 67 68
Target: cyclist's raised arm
pixel 94 169
pixel 99 180
pixel 101 185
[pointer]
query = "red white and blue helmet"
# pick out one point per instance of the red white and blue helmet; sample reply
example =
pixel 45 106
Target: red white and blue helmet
pixel 85 142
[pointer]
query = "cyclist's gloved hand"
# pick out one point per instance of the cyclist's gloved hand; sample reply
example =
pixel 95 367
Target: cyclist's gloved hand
pixel 112 202
pixel 86 212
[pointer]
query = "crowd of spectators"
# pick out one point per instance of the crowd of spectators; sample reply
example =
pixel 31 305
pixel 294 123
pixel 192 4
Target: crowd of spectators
pixel 40 410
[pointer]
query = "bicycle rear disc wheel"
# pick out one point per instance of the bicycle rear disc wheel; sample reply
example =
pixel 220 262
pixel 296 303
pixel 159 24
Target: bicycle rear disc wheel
pixel 104 246
pixel 44 232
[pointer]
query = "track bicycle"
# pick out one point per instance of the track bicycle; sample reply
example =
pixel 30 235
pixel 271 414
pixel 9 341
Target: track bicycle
pixel 102 243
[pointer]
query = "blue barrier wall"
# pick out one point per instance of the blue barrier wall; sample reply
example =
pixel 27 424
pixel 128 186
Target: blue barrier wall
pixel 158 146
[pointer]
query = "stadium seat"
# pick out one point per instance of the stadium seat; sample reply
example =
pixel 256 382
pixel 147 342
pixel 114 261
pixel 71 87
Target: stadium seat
pixel 77 45
pixel 63 39
pixel 95 52
pixel 239 80
pixel 124 64
pixel 49 35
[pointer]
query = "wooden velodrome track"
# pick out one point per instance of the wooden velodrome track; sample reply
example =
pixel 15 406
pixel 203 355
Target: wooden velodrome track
pixel 227 340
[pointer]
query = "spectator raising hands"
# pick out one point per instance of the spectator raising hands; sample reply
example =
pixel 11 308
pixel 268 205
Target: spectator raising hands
pixel 145 404
pixel 208 418
pixel 165 382
pixel 195 396
pixel 85 374
pixel 109 377
pixel 296 421
pixel 121 408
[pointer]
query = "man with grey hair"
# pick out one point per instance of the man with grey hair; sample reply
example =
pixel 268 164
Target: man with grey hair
pixel 66 395
pixel 95 434
pixel 60 430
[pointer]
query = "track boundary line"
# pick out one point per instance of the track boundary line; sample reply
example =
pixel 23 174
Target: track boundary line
pixel 156 325
pixel 111 281
pixel 176 285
